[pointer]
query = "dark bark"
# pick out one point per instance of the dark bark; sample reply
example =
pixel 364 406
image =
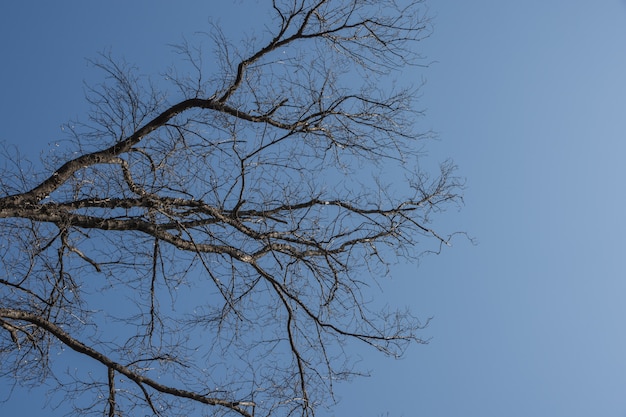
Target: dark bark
pixel 237 223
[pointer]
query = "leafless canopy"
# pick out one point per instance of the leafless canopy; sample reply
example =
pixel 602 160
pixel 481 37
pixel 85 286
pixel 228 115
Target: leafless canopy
pixel 210 243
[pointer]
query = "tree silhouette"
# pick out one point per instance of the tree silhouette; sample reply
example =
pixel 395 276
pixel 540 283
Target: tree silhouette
pixel 213 245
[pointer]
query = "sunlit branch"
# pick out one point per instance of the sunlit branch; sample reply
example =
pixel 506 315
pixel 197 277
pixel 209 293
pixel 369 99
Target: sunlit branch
pixel 81 348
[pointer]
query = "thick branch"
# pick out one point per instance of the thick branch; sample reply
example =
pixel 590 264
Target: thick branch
pixel 81 348
pixel 108 155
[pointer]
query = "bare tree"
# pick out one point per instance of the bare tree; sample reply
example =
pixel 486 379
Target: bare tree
pixel 213 245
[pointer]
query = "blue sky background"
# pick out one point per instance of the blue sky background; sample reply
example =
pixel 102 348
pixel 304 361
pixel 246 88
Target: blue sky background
pixel 529 99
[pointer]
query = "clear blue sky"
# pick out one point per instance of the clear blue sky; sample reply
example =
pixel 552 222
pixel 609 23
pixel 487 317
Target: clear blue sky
pixel 529 99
